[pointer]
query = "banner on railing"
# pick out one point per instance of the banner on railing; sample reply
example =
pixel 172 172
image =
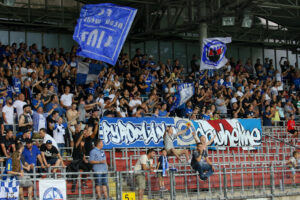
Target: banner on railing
pixel 149 131
pixel 52 189
pixel 9 188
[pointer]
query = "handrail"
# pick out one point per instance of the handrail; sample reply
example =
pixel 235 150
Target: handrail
pixel 280 140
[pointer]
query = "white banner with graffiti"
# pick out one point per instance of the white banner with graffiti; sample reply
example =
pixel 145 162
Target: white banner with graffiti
pixel 149 131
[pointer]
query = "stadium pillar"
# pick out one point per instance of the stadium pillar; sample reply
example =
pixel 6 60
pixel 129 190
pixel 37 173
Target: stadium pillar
pixel 203 25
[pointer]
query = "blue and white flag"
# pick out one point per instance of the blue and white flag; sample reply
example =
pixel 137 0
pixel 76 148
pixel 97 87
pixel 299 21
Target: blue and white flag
pixel 185 92
pixel 9 188
pixel 87 73
pixel 102 30
pixel 213 53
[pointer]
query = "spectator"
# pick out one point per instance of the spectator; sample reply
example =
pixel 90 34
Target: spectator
pixel 43 134
pixel 15 167
pixel 32 156
pixel 25 121
pixel 59 134
pixel 201 163
pixel 7 144
pixel 293 163
pixel 169 136
pixel 66 99
pixel 19 104
pixel 8 114
pixel 291 127
pixel 289 108
pixel 98 160
pixel 40 119
pixel 144 163
pixel 51 156
pixel 163 164
pixel 79 157
pixel 163 111
pixel 267 117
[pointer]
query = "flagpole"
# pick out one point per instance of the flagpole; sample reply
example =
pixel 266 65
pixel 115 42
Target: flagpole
pixel 203 25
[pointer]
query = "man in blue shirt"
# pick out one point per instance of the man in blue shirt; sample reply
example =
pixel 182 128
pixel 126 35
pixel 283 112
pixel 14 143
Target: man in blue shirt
pixel 98 160
pixel 31 153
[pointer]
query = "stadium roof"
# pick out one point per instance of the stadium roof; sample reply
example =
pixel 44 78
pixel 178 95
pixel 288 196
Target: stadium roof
pixel 274 22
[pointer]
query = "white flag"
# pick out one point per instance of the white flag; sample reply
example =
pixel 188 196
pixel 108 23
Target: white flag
pixel 213 53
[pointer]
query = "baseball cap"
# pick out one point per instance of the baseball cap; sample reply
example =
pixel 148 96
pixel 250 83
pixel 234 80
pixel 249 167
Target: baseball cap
pixel 49 142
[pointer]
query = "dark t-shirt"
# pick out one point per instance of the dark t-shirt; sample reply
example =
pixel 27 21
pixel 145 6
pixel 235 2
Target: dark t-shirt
pixel 126 86
pixel 50 121
pixel 160 160
pixel 49 154
pixel 22 140
pixel 248 112
pixel 78 153
pixel 196 154
pixel 8 144
pixel 142 91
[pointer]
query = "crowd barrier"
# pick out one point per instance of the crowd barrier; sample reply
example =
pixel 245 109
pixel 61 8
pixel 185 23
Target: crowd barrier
pixel 226 183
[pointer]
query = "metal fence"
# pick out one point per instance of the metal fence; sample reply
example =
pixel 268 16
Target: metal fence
pixel 226 183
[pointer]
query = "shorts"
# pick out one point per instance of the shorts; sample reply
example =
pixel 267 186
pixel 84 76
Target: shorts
pixel 293 131
pixel 140 181
pixel 25 181
pixel 100 179
pixel 293 170
pixel 178 152
pixel 52 161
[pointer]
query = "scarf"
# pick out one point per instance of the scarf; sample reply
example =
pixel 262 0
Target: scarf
pixel 165 165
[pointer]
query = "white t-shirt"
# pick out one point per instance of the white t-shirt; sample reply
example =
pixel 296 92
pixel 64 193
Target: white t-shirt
pixel 142 160
pixel 240 94
pixel 18 105
pixel 42 121
pixel 133 103
pixel 58 133
pixel 66 99
pixel 48 137
pixel 9 114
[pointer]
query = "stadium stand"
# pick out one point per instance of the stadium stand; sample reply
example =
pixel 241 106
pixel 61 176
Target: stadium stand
pixel 141 87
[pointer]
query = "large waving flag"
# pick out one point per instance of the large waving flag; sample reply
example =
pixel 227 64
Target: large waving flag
pixel 213 53
pixel 102 30
pixel 87 72
pixel 185 92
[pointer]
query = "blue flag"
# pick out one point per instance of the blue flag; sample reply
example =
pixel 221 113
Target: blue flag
pixel 185 92
pixel 87 72
pixel 102 30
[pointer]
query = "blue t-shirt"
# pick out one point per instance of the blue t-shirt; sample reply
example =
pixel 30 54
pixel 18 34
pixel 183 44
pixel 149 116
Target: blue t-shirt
pixel 8 165
pixel 35 102
pixel 205 117
pixel 98 155
pixel 17 85
pixel 148 82
pixel 162 113
pixel 31 156
pixel 188 111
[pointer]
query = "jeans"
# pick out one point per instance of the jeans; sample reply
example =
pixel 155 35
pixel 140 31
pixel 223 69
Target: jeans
pixel 204 169
pixel 61 147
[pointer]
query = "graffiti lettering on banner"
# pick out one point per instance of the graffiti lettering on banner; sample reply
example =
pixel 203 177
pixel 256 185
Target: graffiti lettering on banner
pixel 52 189
pixel 102 30
pixel 229 132
pixel 133 132
pixel 149 131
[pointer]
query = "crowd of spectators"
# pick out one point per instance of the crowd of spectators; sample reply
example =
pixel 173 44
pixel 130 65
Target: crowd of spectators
pixel 38 91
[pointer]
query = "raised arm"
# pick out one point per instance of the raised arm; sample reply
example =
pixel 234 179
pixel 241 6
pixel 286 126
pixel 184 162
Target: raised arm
pixel 211 140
